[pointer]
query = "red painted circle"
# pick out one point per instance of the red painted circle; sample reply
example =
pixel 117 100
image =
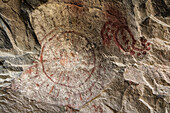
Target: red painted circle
pixel 108 30
pixel 68 59
pixel 124 39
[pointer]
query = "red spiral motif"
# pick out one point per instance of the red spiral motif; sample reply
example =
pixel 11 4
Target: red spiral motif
pixel 123 38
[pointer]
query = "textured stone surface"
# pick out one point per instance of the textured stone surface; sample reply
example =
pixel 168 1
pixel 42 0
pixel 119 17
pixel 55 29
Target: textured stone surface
pixel 90 56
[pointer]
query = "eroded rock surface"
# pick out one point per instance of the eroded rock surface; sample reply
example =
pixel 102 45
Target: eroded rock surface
pixel 92 56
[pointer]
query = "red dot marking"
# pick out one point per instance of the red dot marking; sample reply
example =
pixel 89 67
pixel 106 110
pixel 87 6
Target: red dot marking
pixel 138 54
pixel 144 53
pixel 132 52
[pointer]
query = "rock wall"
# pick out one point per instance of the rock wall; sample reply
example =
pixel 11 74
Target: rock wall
pixel 90 56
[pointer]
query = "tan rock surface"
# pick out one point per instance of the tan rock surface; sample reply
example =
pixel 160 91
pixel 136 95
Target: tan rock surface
pixel 91 56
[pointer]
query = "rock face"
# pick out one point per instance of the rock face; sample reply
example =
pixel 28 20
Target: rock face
pixel 91 56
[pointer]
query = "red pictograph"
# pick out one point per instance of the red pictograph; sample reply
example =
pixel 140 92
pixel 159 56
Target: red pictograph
pixel 33 70
pixel 97 109
pixel 66 61
pixel 116 29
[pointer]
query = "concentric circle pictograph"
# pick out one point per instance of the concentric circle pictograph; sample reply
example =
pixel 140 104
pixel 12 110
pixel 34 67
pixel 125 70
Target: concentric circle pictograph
pixel 68 59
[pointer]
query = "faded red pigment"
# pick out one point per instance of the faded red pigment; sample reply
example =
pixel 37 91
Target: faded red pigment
pixel 59 78
pixel 97 109
pixel 116 28
pixel 63 62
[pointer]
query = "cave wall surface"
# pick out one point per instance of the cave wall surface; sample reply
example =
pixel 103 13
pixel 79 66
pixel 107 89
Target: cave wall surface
pixel 84 56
